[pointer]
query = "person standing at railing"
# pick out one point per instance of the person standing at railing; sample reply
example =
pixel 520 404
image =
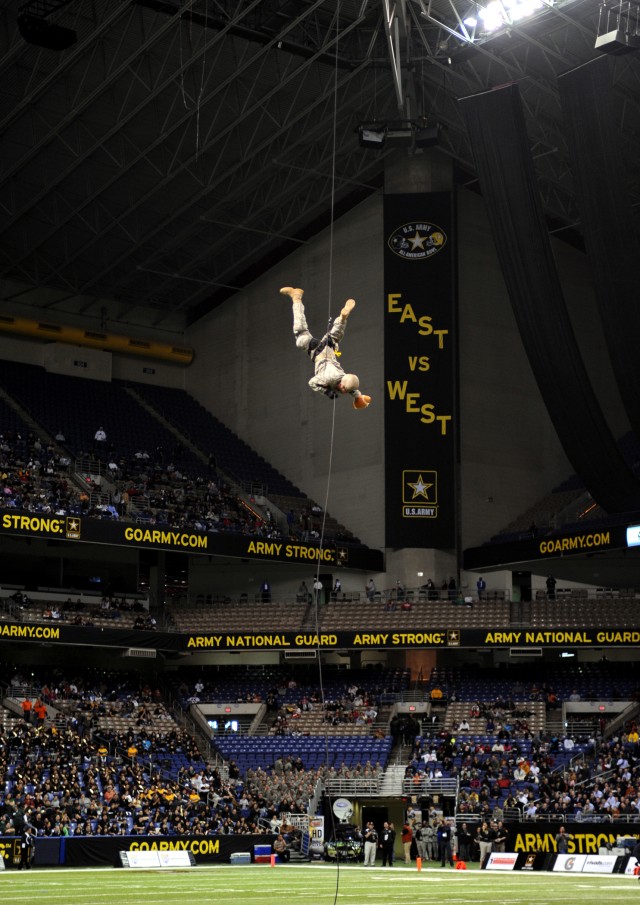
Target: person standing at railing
pixel 27 709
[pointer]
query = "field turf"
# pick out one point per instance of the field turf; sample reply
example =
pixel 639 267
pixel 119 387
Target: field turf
pixel 315 884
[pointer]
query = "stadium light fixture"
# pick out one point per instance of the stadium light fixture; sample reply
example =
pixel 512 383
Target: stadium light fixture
pixel 428 136
pixel 401 132
pixel 407 132
pixel 372 135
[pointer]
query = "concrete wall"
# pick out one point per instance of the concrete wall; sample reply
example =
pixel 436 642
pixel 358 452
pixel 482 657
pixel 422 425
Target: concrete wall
pixel 255 379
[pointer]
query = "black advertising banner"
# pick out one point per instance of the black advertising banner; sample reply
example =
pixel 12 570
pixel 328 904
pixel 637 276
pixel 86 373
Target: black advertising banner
pixel 421 639
pixel 419 370
pixel 367 638
pixel 158 537
pixel 537 549
pixel 54 633
pixel 84 851
pixel 585 838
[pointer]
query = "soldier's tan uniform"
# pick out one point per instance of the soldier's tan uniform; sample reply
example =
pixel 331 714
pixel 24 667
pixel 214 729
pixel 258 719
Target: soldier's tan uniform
pixel 329 377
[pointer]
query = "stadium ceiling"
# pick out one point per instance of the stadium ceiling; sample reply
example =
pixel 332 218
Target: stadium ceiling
pixel 177 149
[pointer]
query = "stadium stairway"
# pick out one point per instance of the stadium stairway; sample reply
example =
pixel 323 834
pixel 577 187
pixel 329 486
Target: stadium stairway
pixel 25 417
pixel 182 438
pixel 553 722
pixel 392 780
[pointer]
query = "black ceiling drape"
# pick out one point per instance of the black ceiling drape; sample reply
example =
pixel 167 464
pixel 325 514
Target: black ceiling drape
pixel 607 219
pixel 496 126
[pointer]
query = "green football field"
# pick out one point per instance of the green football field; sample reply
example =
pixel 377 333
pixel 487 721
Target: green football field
pixel 309 884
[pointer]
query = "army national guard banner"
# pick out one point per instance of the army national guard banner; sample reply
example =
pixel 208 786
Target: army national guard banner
pixel 366 638
pixel 419 370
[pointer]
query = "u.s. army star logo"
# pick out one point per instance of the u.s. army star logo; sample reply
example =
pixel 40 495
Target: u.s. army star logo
pixel 73 527
pixel 420 487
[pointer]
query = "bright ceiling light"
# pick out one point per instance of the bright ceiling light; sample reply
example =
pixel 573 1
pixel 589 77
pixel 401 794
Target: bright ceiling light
pixel 500 13
pixel 492 16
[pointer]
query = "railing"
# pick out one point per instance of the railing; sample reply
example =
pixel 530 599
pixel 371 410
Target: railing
pixel 20 692
pixel 360 786
pixel 185 720
pixel 618 721
pixel 313 805
pixel 385 597
pixel 297 821
pixel 253 488
pixel 425 786
pixel 513 815
pixel 580 818
pixel 583 726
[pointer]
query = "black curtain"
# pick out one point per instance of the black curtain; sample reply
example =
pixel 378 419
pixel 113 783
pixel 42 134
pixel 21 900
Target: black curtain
pixel 496 126
pixel 608 227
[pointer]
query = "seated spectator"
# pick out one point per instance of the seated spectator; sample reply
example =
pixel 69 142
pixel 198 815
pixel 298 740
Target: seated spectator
pixel 280 847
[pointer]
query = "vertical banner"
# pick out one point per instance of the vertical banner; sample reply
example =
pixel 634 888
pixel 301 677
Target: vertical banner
pixel 420 370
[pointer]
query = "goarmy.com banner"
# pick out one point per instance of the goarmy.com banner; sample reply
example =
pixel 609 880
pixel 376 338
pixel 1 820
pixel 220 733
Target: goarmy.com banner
pixel 77 528
pixel 420 370
pixel 538 549
pixel 92 851
pixel 125 534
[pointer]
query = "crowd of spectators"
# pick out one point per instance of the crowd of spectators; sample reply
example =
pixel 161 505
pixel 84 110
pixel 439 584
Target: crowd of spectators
pixel 34 476
pixel 161 494
pixel 75 776
pixel 153 488
pixel 356 706
pixel 518 775
pixel 68 782
pixel 166 484
pixel 277 687
pixel 501 716
pixel 65 783
pixel 286 786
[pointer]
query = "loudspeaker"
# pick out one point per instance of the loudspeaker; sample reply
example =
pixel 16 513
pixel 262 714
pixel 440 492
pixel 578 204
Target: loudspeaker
pixel 427 137
pixel 36 30
pixel 617 42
